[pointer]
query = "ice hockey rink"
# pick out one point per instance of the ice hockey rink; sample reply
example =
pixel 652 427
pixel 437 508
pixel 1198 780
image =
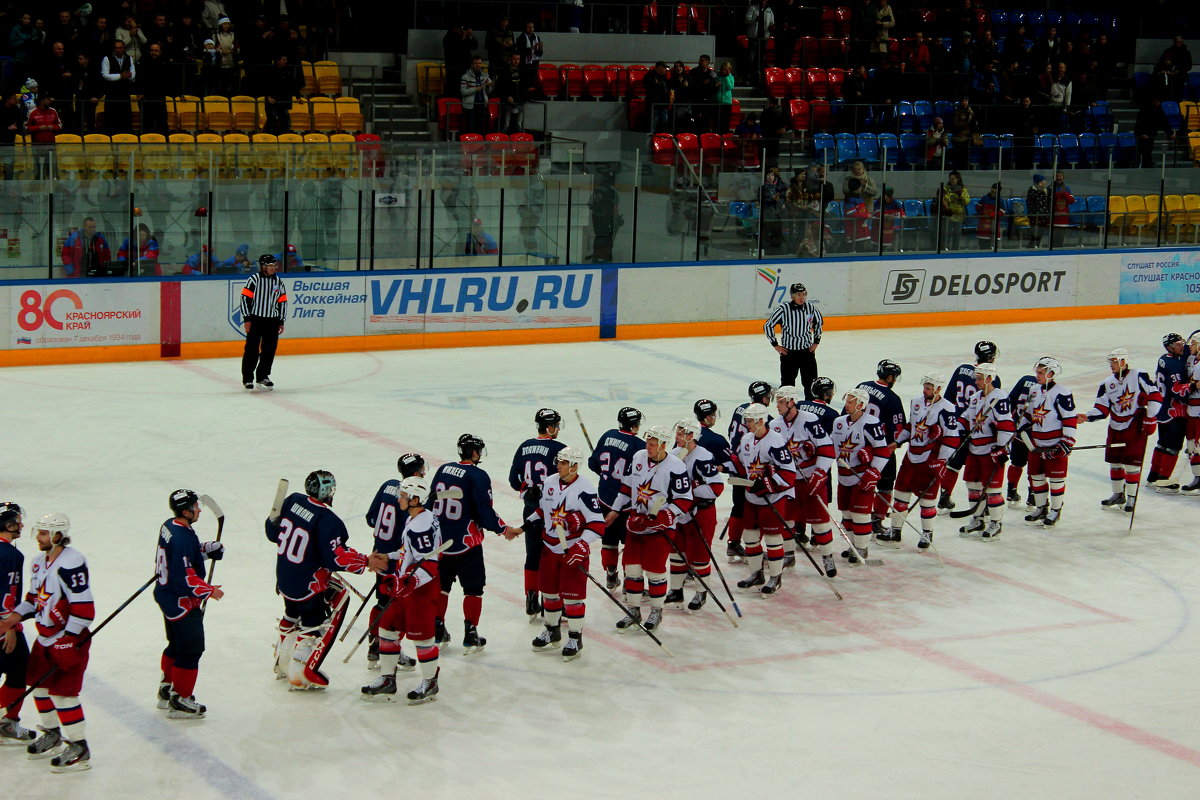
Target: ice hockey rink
pixel 1051 663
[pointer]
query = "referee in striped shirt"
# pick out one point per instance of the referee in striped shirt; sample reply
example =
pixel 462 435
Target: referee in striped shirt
pixel 264 308
pixel 800 325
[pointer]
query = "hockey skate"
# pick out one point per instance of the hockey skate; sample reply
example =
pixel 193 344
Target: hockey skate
pixel 889 538
pixel 1192 488
pixel 1114 502
pixel 185 708
pixel 163 697
pixel 75 757
pixel 789 561
pixel 549 639
pixel 1037 515
pixel 533 606
pixel 426 691
pixel 266 385
pixel 926 540
pixel 830 566
pixel 735 553
pixel 754 579
pixel 574 646
pixel 1013 498
pixel 441 636
pixel 945 504
pixel 248 386
pixel 383 690
pixel 653 619
pixel 674 598
pixel 772 585
pixel 854 558
pixel 13 732
pixel 373 655
pixel 1052 517
pixel 405 663
pixel 974 526
pixel 1165 486
pixel 630 620
pixel 611 579
pixel 992 532
pixel 45 745
pixel 472 641
pixel 698 600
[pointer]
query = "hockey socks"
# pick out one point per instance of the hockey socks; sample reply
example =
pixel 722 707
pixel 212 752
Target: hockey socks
pixel 167 664
pixel 183 682
pixel 531 580
pixel 472 608
pixel 8 695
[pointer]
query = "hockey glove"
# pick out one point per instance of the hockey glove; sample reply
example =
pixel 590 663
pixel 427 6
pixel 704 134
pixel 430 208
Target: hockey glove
pixel 1182 388
pixel 999 455
pixel 575 523
pixel 864 455
pixel 1149 424
pixel 933 433
pixel 938 468
pixel 664 519
pixel 1177 410
pixel 637 523
pixel 869 479
pixel 406 585
pixel 533 494
pixel 577 554
pixel 389 585
pixel 350 560
pixel 213 550
pixel 805 451
pixel 70 652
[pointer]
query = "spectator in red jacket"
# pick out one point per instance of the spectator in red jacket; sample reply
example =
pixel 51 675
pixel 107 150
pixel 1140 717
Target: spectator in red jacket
pixel 1060 219
pixel 85 251
pixel 43 124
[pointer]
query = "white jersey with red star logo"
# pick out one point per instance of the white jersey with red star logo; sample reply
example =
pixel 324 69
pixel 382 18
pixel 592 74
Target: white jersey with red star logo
pixel 807 441
pixel 933 430
pixel 59 596
pixel 650 487
pixel 859 444
pixel 1051 412
pixel 988 421
pixel 1122 397
pixel 756 456
pixel 559 502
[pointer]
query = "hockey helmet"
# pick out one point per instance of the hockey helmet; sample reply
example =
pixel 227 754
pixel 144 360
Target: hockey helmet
pixel 1170 339
pixel 571 456
pixel 55 522
pixel 986 369
pixel 787 393
pixel 703 409
pixel 183 500
pixel 547 418
pixel 10 512
pixel 629 418
pixel 760 392
pixel 660 433
pixel 888 368
pixel 320 485
pixel 756 411
pixel 986 351
pixel 1050 364
pixel 410 464
pixel 823 389
pixel 469 443
pixel 267 260
pixel 859 394
pixel 688 427
pixel 934 378
pixel 416 488
pixel 1119 354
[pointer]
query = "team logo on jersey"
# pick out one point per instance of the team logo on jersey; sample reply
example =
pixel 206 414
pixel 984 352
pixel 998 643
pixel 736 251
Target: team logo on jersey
pixel 756 469
pixel 846 449
pixel 645 493
pixel 1039 414
pixel 1125 401
pixel 558 517
pixel 903 286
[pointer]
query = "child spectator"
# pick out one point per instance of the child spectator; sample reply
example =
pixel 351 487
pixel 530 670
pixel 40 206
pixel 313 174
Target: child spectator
pixel 988 224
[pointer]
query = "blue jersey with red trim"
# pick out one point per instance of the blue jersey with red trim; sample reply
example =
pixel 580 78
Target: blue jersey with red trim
pixel 312 546
pixel 824 413
pixel 887 405
pixel 179 565
pixel 610 460
pixel 717 446
pixel 464 521
pixel 386 517
pixel 12 570
pixel 533 463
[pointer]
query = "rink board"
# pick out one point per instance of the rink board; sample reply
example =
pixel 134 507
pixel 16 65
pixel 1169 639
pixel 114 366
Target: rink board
pixel 62 322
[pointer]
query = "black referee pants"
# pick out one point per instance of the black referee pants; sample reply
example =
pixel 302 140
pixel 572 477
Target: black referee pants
pixel 259 354
pixel 803 362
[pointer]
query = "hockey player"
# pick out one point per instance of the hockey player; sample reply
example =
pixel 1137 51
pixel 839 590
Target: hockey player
pixel 1052 421
pixel 988 425
pixel 610 460
pixel 1191 384
pixel 413 595
pixel 657 493
pixel 822 395
pixel 932 436
pixel 707 414
pixel 760 392
pixel 386 518
pixel 1018 452
pixel 813 458
pixel 14 650
pixel 60 602
pixel 571 521
pixel 532 463
pixel 885 404
pixel 1170 375
pixel 312 546
pixel 1131 402
pixel 179 592
pixel 862 453
pixel 697 526
pixel 463 522
pixel 960 391
pixel 763 457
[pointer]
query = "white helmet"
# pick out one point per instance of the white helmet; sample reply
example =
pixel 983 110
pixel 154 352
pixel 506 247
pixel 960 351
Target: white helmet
pixel 689 427
pixel 415 487
pixel 987 369
pixel 1119 354
pixel 858 394
pixel 935 378
pixel 571 456
pixel 756 411
pixel 55 522
pixel 1051 365
pixel 1194 339
pixel 788 393
pixel 661 433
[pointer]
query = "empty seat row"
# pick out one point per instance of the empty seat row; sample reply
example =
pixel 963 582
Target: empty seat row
pixel 248 114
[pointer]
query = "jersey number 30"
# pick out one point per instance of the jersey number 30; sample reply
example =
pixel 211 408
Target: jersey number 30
pixel 293 541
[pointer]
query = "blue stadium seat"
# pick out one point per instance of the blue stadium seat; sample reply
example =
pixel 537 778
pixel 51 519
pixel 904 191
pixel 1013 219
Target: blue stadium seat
pixel 823 142
pixel 990 152
pixel 906 115
pixel 924 110
pixel 1035 23
pixel 912 145
pixel 971 220
pixel 1174 116
pixel 1045 146
pixel 1068 149
pixel 945 110
pixel 1099 117
pixel 889 146
pixel 847 147
pixel 1141 81
pixel 917 217
pixel 1055 18
pixel 835 218
pixel 1107 144
pixel 1078 211
pixel 868 148
pixel 1097 206
pixel 1194 84
pixel 1089 150
pixel 1127 148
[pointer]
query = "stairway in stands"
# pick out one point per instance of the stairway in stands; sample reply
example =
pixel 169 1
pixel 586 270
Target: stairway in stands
pixel 391 111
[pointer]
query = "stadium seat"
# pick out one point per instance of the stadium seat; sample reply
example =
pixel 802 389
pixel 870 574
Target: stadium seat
pixel 191 117
pixel 1118 215
pixel 847 147
pixel 735 115
pixel 302 113
pixel 1097 209
pixel 245 113
pixel 1068 149
pixel 776 82
pixel 689 146
pixel 868 148
pixel 912 147
pixel 1044 147
pixel 329 80
pixel 595 81
pixel 349 115
pixel 822 115
pixel 1173 114
pixel 889 149
pixel 1174 217
pixel 217 116
pixel 324 114
pixel 1191 205
pixel 836 78
pixel 971 220
pixel 572 76
pixel 794 77
pixel 945 110
pixel 637 77
pixel 427 83
pixel 808 51
pixel 1100 117
pixel 835 218
pixel 1127 148
pixel 824 148
pixel 98 155
pixel 1191 115
pixel 817 81
pixel 906 116
pixel 552 82
pixel 157 160
pixel 618 80
pixel 662 149
pixel 800 114
pixel 68 152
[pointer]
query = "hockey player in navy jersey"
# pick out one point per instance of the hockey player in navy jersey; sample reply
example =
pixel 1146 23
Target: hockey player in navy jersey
pixel 1171 376
pixel 463 522
pixel 14 650
pixel 311 541
pixel 179 592
pixel 1018 452
pixel 822 395
pixel 707 414
pixel 762 393
pixel 531 464
pixel 610 461
pixel 889 408
pixel 959 391
pixel 386 520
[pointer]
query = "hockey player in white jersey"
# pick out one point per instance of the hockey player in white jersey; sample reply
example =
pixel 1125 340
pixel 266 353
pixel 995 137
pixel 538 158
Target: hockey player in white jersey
pixel 696 527
pixel 1051 418
pixel 813 457
pixel 989 428
pixel 763 457
pixel 862 452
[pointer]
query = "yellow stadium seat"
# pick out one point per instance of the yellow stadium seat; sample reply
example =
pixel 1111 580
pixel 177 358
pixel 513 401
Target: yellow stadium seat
pixel 1191 224
pixel 245 113
pixel 156 158
pixel 349 115
pixel 172 115
pixel 68 151
pixel 23 166
pixel 98 153
pixel 318 154
pixel 430 78
pixel 125 155
pixel 324 114
pixel 217 116
pixel 301 115
pixel 290 138
pixel 190 114
pixel 1194 145
pixel 310 78
pixel 329 80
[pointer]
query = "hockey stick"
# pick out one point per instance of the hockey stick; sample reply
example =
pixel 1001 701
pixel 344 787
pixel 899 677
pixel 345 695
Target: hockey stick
pixel 970 512
pixel 905 520
pixel 453 493
pixel 870 562
pixel 91 634
pixel 1097 446
pixel 277 505
pixel 807 554
pixel 583 428
pixel 354 619
pixel 696 575
pixel 212 564
pixel 713 560
pixel 628 611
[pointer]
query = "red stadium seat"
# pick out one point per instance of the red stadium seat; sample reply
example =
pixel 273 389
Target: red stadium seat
pixel 833 52
pixel 710 150
pixel 801 115
pixel 595 80
pixel 551 80
pixel 681 18
pixel 776 81
pixel 618 80
pixel 689 145
pixel 450 116
pixel 735 115
pixel 818 83
pixel 637 80
pixel 730 151
pixel 573 81
pixel 822 115
pixel 698 16
pixel 650 18
pixel 808 51
pixel 795 81
pixel 829 21
pixel 662 149
pixel 837 77
pixel 844 15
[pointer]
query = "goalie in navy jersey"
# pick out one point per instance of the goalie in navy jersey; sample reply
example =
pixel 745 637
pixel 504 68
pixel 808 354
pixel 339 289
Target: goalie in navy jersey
pixel 179 591
pixel 311 541
pixel 463 522
pixel 14 650
pixel 611 460
pixel 533 463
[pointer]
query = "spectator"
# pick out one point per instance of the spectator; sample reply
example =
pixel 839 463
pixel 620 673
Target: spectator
pixel 239 262
pixel 987 48
pixel 461 201
pixel 856 94
pixel 85 252
pixel 724 97
pixel 774 125
pixel 475 88
pixel 1060 97
pixel 1105 58
pixel 134 39
pixel 749 136
pixel 156 80
pixel 937 139
pixel 1060 219
pixel 12 120
pixel 23 41
pixel 891 211
pixel 814 245
pixel 500 47
pixel 290 260
pixel 858 219
pixel 658 97
pixel 119 72
pixel 210 63
pixel 1015 48
pixel 1037 207
pixel 865 188
pixel 63 29
pixel 457 46
pixel 816 185
pixel 606 216
pixel 1027 126
pixel 702 83
pixel 189 44
pixel 985 88
pixel 883 19
pixel 283 40
pixel 760 24
pixel 916 55
pixel 54 73
pixel 99 40
pixel 513 94
pixel 159 32
pixel 679 86
pixel 1009 92
pixel 966 130
pixel 86 90
pixel 147 261
pixel 771 199
pixel 962 56
pixel 212 13
pixel 953 199
pixel 987 223
pixel 228 69
pixel 29 96
pixel 256 56
pixel 966 19
pixel 862 30
pixel 1047 49
pixel 1150 120
pixel 480 242
pixel 281 86
pixel 195 263
pixel 1181 57
pixel 529 45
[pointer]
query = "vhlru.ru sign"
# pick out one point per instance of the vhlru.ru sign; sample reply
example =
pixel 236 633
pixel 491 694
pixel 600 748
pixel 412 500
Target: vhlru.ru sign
pixel 910 286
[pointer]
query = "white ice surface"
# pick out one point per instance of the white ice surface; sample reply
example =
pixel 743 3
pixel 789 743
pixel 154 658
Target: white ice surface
pixel 1051 663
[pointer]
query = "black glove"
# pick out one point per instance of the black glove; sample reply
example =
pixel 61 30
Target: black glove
pixel 533 494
